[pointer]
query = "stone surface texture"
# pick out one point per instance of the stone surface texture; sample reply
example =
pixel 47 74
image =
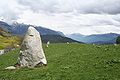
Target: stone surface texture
pixel 31 52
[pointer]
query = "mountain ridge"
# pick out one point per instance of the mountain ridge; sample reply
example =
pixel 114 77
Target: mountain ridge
pixel 108 38
pixel 47 34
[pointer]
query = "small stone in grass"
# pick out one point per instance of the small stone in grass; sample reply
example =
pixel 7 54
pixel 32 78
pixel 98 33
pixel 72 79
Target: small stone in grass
pixel 10 68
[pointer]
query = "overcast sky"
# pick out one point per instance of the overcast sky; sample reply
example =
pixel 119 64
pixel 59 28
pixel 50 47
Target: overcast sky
pixel 69 16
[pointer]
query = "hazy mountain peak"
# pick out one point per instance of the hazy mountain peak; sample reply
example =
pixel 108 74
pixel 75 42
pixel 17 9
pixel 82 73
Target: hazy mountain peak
pixel 46 34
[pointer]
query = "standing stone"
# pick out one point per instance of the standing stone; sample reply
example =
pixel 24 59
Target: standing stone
pixel 31 52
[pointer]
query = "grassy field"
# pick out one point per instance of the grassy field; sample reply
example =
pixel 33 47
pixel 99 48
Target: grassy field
pixel 11 41
pixel 68 62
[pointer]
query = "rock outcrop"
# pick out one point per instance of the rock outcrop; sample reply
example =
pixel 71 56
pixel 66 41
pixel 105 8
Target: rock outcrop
pixel 31 53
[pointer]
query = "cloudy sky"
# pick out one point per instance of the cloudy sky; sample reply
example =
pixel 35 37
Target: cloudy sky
pixel 69 16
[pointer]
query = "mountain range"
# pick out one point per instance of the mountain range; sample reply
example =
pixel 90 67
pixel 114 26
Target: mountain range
pixel 108 38
pixel 20 29
pixel 46 34
pixel 57 36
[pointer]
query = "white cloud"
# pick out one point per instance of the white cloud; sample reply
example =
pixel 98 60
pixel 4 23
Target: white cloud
pixel 82 6
pixel 10 10
pixel 69 16
pixel 70 23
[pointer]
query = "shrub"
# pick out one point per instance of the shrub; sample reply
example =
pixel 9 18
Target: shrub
pixel 118 40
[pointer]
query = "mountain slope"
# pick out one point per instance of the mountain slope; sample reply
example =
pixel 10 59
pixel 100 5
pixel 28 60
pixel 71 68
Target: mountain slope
pixel 4 33
pixel 109 38
pixel 56 39
pixel 76 36
pixel 7 40
pixel 20 29
pixel 47 34
pixel 5 26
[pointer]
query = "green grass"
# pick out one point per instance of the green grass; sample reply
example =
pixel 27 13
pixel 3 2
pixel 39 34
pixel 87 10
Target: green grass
pixel 68 62
pixel 11 41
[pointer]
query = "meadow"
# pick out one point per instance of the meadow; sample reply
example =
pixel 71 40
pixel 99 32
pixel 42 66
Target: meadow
pixel 68 62
pixel 9 42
